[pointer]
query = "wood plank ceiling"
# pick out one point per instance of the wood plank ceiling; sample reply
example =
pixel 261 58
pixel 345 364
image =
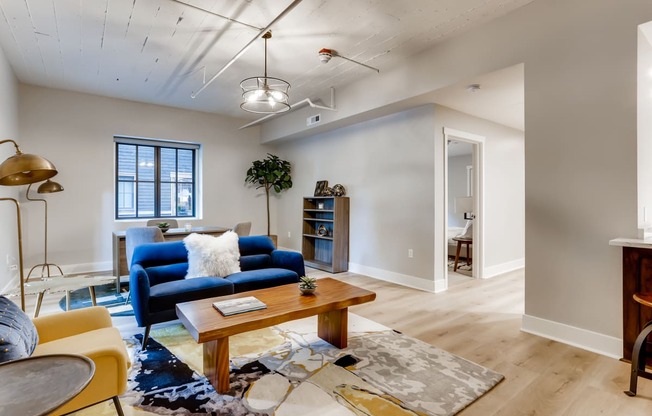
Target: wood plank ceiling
pixel 160 51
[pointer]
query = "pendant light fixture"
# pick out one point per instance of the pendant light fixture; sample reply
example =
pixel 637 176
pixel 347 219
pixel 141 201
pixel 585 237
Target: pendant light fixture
pixel 265 95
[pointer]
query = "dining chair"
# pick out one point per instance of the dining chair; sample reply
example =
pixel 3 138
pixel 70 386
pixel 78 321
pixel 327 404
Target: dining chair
pixel 242 229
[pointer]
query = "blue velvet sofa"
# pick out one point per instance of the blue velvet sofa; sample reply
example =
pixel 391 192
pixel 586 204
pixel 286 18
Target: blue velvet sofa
pixel 157 277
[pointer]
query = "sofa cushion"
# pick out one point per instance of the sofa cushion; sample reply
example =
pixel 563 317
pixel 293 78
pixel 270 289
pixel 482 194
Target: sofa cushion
pixel 168 273
pixel 212 256
pixel 255 261
pixel 261 279
pixel 166 295
pixel 18 335
pixel 255 244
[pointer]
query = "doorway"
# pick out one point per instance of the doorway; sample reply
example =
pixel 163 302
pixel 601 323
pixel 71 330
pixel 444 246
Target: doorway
pixel 463 205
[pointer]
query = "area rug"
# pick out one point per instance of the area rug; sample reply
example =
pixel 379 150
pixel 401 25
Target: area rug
pixel 287 370
pixel 462 267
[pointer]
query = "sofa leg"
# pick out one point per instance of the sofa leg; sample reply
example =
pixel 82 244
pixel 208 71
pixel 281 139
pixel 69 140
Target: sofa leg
pixel 118 406
pixel 146 337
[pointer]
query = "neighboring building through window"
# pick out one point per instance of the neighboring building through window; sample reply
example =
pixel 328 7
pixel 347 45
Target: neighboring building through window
pixel 155 178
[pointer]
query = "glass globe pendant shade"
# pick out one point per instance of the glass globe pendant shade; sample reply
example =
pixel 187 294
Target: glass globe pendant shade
pixel 265 95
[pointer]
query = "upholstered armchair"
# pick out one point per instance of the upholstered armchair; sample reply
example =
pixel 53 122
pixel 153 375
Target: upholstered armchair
pixel 87 332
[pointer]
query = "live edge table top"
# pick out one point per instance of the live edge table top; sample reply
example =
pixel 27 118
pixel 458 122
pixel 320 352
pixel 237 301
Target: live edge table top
pixel 284 303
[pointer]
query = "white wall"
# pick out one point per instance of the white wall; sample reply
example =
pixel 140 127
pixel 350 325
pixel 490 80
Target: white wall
pixel 386 165
pixel 75 131
pixel 457 185
pixel 580 59
pixel 8 130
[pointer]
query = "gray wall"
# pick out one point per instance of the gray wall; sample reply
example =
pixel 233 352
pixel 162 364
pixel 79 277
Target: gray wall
pixel 75 131
pixel 386 166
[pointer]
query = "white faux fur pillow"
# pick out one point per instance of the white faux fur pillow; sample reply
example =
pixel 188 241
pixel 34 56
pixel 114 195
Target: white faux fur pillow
pixel 212 256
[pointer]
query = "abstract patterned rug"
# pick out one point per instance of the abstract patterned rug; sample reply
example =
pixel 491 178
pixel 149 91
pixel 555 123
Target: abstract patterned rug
pixel 286 370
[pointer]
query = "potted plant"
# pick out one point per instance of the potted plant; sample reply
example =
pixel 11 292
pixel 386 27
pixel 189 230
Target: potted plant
pixel 270 173
pixel 307 285
pixel 164 226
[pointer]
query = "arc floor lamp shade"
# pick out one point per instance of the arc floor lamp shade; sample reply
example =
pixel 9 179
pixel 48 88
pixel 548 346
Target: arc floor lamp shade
pixel 24 168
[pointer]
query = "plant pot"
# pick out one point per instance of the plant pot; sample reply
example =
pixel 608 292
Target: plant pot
pixel 164 229
pixel 307 291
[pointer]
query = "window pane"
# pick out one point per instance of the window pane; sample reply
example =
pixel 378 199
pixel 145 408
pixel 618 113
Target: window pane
pixel 185 165
pixel 185 207
pixel 168 197
pixel 145 199
pixel 145 163
pixel 126 200
pixel 127 160
pixel 168 165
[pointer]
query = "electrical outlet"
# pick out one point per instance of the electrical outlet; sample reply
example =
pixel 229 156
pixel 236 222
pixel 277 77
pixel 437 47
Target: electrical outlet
pixel 410 253
pixel 289 234
pixel 13 267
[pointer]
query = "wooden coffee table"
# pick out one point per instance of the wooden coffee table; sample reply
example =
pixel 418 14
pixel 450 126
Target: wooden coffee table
pixel 284 303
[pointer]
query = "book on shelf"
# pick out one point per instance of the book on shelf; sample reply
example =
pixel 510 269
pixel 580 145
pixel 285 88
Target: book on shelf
pixel 240 305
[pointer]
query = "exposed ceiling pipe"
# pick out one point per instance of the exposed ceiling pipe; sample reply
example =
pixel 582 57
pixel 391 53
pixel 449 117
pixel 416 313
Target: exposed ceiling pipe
pixel 216 14
pixel 294 4
pixel 296 106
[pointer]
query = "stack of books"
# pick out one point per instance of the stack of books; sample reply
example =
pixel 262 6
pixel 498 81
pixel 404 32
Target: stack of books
pixel 236 306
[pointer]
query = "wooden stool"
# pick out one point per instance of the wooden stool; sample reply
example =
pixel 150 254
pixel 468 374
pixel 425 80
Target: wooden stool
pixel 639 353
pixel 461 241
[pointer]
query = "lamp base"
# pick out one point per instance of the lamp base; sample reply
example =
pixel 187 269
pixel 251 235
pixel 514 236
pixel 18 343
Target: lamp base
pixel 44 267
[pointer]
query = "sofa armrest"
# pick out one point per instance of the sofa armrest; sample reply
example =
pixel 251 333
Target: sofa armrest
pixel 65 324
pixel 290 260
pixel 139 288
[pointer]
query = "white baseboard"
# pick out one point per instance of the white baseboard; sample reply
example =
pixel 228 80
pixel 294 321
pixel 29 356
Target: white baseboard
pixel 393 277
pixel 498 269
pixel 577 337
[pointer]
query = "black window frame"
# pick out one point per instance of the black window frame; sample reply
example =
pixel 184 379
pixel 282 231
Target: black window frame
pixel 157 145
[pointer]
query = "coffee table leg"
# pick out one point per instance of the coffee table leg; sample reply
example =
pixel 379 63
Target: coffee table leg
pixel 333 327
pixel 67 300
pixel 216 364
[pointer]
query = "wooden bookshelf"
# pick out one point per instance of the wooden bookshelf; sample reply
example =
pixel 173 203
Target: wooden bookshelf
pixel 330 251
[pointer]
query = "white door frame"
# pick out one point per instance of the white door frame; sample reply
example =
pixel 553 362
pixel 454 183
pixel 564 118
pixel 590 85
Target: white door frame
pixel 478 200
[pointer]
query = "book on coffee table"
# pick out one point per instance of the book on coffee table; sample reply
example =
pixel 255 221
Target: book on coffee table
pixel 241 305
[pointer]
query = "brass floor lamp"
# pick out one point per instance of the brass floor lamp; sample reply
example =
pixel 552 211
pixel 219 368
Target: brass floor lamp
pixel 22 169
pixel 45 188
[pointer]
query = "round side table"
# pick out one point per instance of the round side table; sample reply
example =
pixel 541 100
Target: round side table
pixel 38 385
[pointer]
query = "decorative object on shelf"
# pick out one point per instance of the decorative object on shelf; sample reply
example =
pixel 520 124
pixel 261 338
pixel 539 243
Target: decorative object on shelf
pixel 339 190
pixel 270 173
pixel 307 285
pixel 23 169
pixel 46 187
pixel 322 231
pixel 319 187
pixel 320 205
pixel 327 191
pixel 265 95
pixel 164 226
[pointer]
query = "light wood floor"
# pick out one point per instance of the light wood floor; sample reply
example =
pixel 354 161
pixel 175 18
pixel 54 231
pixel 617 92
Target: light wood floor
pixel 480 320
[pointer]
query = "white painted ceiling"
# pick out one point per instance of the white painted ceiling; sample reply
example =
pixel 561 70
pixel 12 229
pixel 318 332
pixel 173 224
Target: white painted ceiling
pixel 160 51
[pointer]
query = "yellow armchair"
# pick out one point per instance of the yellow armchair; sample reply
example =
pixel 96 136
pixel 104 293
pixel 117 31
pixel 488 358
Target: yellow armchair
pixel 87 332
